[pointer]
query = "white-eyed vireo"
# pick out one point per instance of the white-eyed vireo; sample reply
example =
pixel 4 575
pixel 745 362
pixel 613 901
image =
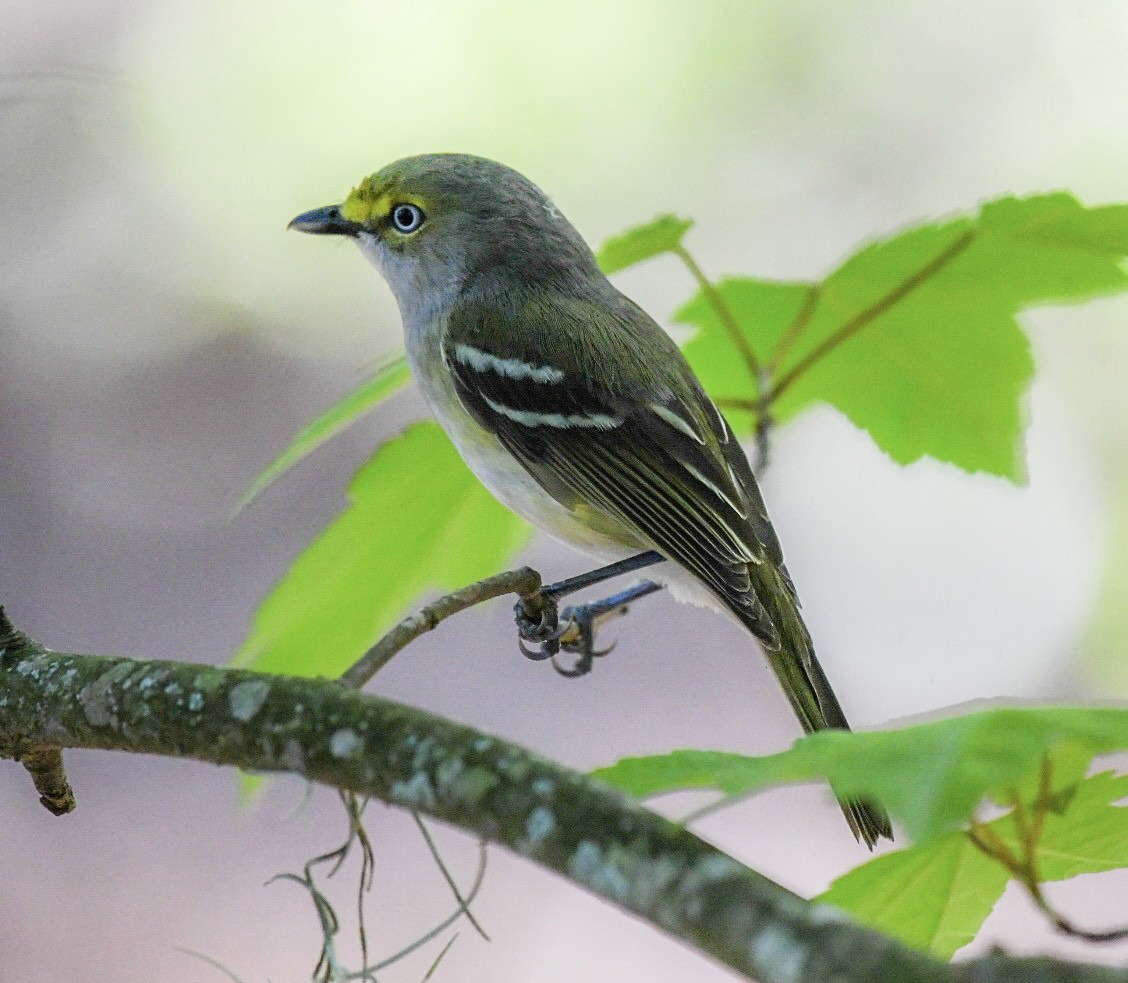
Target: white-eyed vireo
pixel 572 405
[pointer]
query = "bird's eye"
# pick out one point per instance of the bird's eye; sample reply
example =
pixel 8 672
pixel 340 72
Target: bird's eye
pixel 407 218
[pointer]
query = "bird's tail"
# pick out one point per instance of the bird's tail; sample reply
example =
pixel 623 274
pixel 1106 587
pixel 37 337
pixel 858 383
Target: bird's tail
pixel 792 658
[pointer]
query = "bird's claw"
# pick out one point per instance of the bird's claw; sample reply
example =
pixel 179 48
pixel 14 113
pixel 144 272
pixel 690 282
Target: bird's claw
pixel 578 637
pixel 538 620
pixel 540 653
pixel 573 631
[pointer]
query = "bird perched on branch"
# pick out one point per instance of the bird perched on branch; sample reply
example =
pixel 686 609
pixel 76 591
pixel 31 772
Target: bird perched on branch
pixel 576 409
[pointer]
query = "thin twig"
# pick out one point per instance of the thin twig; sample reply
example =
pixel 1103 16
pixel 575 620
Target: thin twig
pixel 524 582
pixel 989 843
pixel 1042 808
pixel 1023 829
pixel 724 312
pixel 738 403
pixel 440 957
pixel 437 857
pixel 1024 868
pixel 328 966
pixel 355 808
pixel 445 924
pixel 214 963
pixel 875 310
pixel 765 423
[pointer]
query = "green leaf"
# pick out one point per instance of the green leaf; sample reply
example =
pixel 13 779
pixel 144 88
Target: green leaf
pixel 930 777
pixel 663 235
pixel 1089 837
pixel 1065 764
pixel 933 897
pixel 953 886
pixel 764 309
pixel 389 377
pixel 417 520
pixel 915 338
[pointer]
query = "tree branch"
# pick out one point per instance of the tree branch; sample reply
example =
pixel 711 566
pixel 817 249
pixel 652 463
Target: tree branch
pixel 724 313
pixel 524 581
pixel 567 822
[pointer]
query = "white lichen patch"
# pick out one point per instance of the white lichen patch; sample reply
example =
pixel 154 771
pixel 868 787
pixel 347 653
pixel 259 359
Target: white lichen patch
pixel 652 881
pixel 96 698
pixel 151 680
pixel 293 755
pixel 775 947
pixel 415 791
pixel 471 786
pixel 516 770
pixel 711 868
pixel 543 788
pixel 448 771
pixel 699 876
pixel 539 825
pixel 344 743
pixel 589 866
pixel 422 756
pixel 246 698
pixel 196 702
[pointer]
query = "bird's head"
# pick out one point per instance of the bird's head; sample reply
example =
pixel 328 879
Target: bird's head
pixel 438 225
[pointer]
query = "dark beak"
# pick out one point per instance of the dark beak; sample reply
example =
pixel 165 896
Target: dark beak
pixel 326 221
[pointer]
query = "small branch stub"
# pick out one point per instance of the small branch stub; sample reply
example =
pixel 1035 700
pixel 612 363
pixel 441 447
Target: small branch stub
pixel 45 765
pixel 43 762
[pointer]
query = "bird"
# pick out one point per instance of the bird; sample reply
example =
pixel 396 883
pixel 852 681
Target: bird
pixel 573 406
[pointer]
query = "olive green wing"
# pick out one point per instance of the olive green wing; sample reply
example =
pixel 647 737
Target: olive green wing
pixel 601 408
pixel 641 442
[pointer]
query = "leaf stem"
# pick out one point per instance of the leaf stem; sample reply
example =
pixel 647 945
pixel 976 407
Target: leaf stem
pixel 1024 868
pixel 875 310
pixel 737 403
pixel 723 311
pixel 795 328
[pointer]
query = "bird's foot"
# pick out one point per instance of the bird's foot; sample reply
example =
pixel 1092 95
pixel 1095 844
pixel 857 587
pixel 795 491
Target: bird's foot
pixel 578 636
pixel 539 620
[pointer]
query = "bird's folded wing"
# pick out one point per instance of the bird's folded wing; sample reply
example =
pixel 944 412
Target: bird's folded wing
pixel 660 461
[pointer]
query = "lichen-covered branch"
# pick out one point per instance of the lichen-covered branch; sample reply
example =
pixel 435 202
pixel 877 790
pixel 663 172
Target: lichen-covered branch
pixel 565 821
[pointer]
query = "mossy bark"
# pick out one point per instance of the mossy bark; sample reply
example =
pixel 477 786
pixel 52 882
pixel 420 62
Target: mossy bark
pixel 567 822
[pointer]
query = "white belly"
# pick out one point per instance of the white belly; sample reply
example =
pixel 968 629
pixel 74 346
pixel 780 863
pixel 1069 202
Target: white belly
pixel 515 488
pixel 501 473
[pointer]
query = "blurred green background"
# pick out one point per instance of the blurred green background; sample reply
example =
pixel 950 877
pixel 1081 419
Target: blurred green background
pixel 162 337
